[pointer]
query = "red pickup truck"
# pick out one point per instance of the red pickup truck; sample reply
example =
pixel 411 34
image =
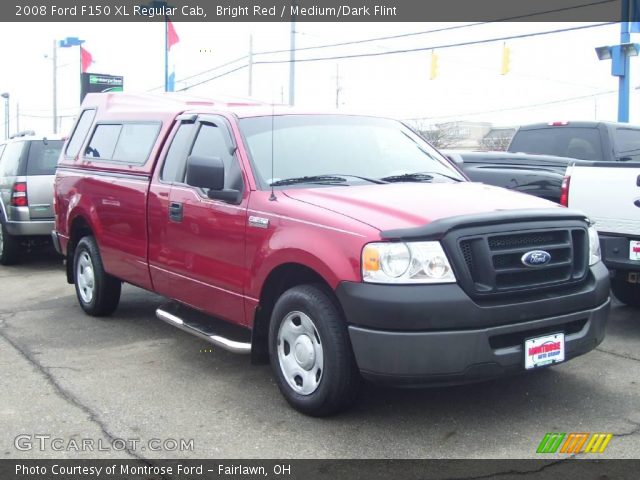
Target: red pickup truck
pixel 333 246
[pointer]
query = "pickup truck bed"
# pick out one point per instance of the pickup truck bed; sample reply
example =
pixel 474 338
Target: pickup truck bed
pixel 539 175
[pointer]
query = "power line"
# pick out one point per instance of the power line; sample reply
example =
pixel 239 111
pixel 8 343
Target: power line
pixel 392 37
pixel 439 47
pixel 443 29
pixel 520 107
pixel 407 50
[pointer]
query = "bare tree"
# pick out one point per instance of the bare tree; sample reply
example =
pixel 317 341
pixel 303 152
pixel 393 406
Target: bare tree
pixel 440 136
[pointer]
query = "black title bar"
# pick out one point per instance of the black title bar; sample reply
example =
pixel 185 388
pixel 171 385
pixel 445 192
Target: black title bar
pixel 311 10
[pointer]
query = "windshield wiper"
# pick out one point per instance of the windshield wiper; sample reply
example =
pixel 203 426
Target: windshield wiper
pixel 327 179
pixel 417 177
pixel 366 179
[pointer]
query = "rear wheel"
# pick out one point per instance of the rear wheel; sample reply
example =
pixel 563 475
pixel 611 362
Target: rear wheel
pixel 310 352
pixel 98 292
pixel 626 292
pixel 10 247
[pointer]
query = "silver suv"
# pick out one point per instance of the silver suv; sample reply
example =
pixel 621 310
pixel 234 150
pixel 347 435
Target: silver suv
pixel 27 168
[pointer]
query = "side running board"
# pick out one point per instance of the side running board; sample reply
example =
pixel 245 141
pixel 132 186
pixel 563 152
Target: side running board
pixel 205 328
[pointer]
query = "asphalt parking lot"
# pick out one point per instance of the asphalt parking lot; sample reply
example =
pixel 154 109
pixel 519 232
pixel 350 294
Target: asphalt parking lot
pixel 134 378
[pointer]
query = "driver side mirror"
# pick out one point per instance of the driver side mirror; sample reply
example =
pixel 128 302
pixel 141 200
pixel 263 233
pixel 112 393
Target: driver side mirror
pixel 208 173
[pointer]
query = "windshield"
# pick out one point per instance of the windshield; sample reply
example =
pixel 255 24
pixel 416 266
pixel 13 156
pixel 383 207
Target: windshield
pixel 315 149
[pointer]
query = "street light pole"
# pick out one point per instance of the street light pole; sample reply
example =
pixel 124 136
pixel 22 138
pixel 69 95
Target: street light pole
pixel 6 114
pixel 55 86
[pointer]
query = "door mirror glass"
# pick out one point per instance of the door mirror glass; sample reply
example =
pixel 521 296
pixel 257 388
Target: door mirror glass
pixel 205 172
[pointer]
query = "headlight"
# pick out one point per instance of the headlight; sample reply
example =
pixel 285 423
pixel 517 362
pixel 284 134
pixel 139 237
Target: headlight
pixel 412 262
pixel 594 246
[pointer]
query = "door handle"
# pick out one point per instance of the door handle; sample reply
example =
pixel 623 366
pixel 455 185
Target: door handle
pixel 175 211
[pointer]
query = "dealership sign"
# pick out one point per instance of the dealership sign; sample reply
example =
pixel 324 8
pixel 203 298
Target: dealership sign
pixel 99 83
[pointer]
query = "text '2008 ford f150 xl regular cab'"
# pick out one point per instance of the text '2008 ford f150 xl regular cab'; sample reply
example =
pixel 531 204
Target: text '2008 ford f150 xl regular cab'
pixel 334 246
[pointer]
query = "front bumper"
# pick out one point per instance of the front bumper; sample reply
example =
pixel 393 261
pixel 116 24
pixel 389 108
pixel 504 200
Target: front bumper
pixel 615 252
pixel 437 334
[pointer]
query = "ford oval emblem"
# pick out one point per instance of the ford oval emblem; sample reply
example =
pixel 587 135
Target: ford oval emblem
pixel 535 258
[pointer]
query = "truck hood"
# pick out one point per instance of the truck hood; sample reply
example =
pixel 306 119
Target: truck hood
pixel 406 205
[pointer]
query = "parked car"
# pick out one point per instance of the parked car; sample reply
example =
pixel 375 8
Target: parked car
pixel 27 166
pixel 586 140
pixel 333 246
pixel 616 212
pixel 539 175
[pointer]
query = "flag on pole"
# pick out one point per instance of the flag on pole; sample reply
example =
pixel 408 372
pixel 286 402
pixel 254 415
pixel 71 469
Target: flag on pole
pixel 86 59
pixel 172 39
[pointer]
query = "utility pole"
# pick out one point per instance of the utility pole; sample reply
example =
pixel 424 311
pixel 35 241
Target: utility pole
pixel 620 61
pixel 55 86
pixel 250 64
pixel 337 86
pixel 292 58
pixel 623 80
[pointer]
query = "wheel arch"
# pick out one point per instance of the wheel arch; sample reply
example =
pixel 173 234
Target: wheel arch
pixel 280 279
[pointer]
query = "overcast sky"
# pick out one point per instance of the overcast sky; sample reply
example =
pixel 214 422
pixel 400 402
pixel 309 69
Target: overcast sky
pixel 544 70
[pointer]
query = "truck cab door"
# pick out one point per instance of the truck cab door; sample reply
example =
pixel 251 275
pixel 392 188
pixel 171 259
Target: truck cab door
pixel 204 247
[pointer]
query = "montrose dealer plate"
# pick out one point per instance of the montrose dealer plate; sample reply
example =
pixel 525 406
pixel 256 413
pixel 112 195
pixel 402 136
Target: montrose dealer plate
pixel 540 351
pixel 634 250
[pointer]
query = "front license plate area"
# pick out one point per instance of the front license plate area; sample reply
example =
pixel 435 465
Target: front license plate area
pixel 634 250
pixel 545 350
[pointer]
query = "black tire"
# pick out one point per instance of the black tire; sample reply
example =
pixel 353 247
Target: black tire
pixel 627 293
pixel 340 380
pixel 105 292
pixel 10 248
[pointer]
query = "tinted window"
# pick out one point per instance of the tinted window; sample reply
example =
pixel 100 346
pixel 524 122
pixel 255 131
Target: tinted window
pixel 103 142
pixel 128 143
pixel 43 157
pixel 135 142
pixel 174 165
pixel 212 142
pixel 628 143
pixel 10 164
pixel 574 142
pixel 80 132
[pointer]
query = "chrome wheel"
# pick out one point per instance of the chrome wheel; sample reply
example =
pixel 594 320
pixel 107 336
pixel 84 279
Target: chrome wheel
pixel 300 353
pixel 85 277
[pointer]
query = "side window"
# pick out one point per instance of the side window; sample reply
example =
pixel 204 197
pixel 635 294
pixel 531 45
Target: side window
pixel 80 132
pixel 135 142
pixel 129 143
pixel 211 142
pixel 103 142
pixel 10 164
pixel 173 169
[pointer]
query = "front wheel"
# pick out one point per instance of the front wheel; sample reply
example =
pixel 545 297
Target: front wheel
pixel 310 352
pixel 98 292
pixel 626 292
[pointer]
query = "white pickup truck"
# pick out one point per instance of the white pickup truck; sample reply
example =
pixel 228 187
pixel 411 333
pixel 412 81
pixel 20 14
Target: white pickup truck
pixel 609 193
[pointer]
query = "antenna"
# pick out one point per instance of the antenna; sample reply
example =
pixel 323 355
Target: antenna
pixel 272 198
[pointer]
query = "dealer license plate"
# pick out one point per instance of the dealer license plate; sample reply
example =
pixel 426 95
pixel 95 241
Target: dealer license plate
pixel 634 250
pixel 540 351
